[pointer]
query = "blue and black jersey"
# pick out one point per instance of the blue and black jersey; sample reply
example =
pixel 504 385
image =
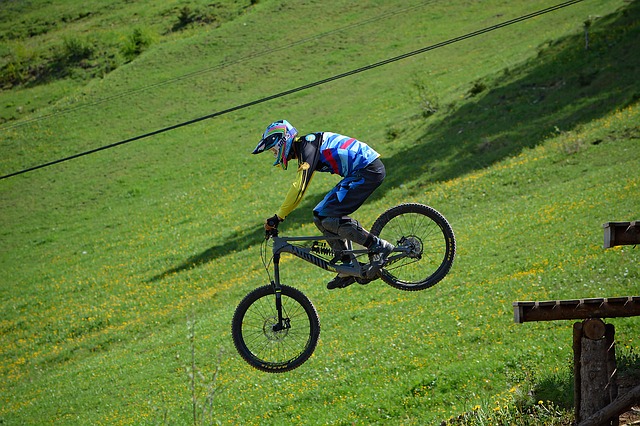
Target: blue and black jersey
pixel 331 153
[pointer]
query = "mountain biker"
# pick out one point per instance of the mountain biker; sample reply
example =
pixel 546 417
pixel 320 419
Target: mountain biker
pixel 361 171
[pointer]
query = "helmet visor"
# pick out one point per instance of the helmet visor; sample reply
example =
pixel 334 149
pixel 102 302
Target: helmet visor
pixel 268 142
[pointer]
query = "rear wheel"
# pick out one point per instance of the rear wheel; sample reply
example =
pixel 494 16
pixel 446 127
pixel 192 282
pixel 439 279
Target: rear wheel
pixel 425 246
pixel 260 339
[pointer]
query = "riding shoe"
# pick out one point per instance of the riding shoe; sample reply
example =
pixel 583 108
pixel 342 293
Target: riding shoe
pixel 340 282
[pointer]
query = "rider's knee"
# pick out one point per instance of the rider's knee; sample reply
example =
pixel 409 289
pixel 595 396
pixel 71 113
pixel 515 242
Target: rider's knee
pixel 317 220
pixel 331 224
pixel 345 227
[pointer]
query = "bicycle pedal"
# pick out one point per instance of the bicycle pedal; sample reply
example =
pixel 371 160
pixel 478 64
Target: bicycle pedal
pixel 364 281
pixel 371 272
pixel 340 282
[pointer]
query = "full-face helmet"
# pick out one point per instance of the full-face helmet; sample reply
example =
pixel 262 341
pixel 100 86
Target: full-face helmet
pixel 278 137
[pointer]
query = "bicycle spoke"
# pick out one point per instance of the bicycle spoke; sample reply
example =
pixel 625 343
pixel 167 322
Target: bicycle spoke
pixel 424 230
pixel 276 347
pixel 425 241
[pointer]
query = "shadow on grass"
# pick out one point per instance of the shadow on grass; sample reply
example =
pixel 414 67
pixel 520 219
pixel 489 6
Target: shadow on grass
pixel 238 242
pixel 565 86
pixel 557 389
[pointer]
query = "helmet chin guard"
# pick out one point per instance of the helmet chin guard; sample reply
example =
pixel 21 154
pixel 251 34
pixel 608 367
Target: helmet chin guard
pixel 279 135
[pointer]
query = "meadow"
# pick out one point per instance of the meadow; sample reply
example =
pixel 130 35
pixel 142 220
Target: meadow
pixel 122 269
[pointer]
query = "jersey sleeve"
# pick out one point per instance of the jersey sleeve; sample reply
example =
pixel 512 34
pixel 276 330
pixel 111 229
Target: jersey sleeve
pixel 296 191
pixel 308 156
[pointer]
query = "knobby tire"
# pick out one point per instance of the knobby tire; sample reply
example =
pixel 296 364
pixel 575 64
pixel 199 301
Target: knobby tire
pixel 432 238
pixel 275 351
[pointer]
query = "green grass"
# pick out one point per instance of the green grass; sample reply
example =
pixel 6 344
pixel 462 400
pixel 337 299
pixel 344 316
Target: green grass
pixel 118 266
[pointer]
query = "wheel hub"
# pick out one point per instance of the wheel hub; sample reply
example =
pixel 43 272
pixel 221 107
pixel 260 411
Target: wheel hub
pixel 413 245
pixel 271 332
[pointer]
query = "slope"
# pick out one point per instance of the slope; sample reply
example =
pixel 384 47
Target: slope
pixel 112 262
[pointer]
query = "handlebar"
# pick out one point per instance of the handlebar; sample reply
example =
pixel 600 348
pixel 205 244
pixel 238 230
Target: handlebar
pixel 273 232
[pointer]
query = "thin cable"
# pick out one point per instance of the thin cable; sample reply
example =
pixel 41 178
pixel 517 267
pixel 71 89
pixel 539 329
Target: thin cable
pixel 305 87
pixel 215 67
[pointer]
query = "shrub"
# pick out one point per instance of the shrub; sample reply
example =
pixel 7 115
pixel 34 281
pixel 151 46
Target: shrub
pixel 74 50
pixel 477 88
pixel 135 44
pixel 185 17
pixel 12 74
pixel 429 104
pixel 188 16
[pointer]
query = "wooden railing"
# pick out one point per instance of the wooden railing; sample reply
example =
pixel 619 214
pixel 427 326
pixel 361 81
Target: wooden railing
pixel 595 392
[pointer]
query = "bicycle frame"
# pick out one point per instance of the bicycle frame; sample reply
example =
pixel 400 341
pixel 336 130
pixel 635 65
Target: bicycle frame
pixel 283 245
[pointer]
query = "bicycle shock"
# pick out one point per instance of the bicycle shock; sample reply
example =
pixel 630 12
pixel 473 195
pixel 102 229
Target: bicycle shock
pixel 321 248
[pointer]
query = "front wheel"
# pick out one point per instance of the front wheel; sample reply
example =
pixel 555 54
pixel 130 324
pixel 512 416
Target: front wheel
pixel 425 246
pixel 268 344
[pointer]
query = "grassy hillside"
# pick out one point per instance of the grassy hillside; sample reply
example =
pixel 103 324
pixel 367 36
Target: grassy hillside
pixel 119 266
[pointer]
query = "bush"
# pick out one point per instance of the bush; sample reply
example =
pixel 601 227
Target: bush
pixel 13 73
pixel 71 54
pixel 31 67
pixel 188 16
pixel 185 17
pixel 477 88
pixel 74 51
pixel 135 44
pixel 429 103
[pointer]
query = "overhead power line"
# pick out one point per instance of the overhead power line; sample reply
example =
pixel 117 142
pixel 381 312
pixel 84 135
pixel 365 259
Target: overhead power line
pixel 306 86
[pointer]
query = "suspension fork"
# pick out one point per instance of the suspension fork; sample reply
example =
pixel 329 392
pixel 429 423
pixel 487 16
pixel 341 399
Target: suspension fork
pixel 283 323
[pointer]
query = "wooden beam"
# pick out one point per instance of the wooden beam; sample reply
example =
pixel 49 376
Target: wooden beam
pixel 607 307
pixel 621 233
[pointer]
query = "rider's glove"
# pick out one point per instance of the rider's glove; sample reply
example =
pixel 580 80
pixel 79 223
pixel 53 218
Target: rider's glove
pixel 272 222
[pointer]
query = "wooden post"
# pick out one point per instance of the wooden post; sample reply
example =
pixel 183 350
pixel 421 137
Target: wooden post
pixel 577 350
pixel 617 407
pixel 612 368
pixel 594 368
pixel 593 373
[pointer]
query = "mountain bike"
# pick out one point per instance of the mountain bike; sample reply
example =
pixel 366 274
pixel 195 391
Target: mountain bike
pixel 275 328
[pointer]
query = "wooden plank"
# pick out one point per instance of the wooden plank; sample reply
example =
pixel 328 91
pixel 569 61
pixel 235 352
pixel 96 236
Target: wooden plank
pixel 553 310
pixel 622 300
pixel 621 233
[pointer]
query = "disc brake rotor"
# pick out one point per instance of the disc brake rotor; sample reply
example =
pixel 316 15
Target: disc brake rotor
pixel 268 328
